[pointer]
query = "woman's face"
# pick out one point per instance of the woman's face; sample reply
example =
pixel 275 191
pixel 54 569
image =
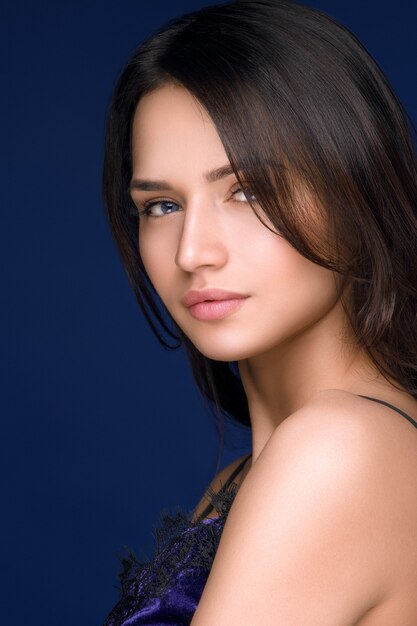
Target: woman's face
pixel 202 234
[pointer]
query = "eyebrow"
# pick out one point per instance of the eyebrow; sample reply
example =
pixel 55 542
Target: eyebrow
pixel 162 185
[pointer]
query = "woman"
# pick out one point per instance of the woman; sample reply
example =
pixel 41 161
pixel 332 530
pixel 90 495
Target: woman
pixel 260 182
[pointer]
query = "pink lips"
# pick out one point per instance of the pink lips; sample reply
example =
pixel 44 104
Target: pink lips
pixel 212 304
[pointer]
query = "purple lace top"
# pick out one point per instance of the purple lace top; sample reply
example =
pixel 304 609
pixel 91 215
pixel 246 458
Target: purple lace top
pixel 166 590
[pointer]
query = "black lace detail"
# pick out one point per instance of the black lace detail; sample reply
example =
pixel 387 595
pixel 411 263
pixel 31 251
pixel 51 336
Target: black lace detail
pixel 181 544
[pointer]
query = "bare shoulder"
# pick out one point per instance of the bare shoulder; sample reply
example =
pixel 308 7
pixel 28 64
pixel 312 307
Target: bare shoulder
pixel 362 444
pixel 340 443
pixel 216 484
pixel 387 436
pixel 328 510
pixel 359 456
pixel 359 428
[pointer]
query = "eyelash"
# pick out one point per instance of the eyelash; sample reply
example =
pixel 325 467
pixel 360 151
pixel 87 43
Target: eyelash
pixel 146 207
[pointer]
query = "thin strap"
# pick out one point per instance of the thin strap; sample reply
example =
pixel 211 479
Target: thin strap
pixel 235 472
pixel 232 476
pixel 410 419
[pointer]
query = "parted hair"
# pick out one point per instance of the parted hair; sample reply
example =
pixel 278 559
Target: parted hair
pixel 298 103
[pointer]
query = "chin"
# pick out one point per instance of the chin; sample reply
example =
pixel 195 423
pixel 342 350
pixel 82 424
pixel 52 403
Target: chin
pixel 229 350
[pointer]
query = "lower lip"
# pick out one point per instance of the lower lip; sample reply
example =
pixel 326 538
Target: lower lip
pixel 215 309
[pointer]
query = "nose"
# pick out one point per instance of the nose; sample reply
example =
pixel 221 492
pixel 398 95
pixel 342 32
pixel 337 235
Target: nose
pixel 201 244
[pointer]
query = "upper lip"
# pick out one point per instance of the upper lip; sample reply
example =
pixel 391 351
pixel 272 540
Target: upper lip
pixel 194 296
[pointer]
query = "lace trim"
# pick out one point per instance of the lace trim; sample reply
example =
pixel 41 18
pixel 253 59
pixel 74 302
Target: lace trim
pixel 181 544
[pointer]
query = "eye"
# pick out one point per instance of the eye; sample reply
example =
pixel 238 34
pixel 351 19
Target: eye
pixel 158 208
pixel 248 196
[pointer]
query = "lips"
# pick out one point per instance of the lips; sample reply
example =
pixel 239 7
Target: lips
pixel 195 297
pixel 213 310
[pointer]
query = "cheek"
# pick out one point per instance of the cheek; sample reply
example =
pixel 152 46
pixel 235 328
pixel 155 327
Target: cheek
pixel 147 253
pixel 297 286
pixel 157 253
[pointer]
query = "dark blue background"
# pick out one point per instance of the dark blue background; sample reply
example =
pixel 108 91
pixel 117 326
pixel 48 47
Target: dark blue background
pixel 101 428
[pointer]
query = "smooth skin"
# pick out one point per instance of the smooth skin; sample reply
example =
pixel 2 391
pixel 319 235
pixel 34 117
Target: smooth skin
pixel 322 531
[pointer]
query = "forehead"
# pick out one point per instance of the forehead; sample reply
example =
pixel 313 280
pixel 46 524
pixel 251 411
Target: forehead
pixel 169 98
pixel 171 129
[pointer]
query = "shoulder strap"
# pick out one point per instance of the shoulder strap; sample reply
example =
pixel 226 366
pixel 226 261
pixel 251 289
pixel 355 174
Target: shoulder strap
pixel 391 406
pixel 230 478
pixel 235 472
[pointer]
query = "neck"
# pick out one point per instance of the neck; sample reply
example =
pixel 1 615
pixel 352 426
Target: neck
pixel 280 381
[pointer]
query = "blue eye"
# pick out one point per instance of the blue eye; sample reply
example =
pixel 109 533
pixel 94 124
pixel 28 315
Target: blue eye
pixel 166 207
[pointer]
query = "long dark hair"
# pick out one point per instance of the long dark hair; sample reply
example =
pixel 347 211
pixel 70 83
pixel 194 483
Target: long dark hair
pixel 295 97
